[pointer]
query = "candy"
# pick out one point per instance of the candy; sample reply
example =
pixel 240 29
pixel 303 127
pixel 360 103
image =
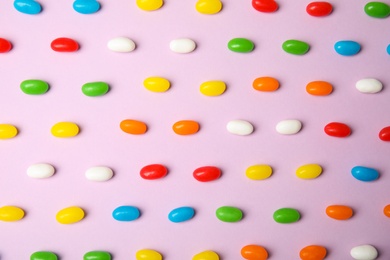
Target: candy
pixel 289 127
pixel 207 173
pixel 70 215
pixel 377 9
pixel 27 6
pixel 11 213
pixel 339 212
pixel 153 171
pixel 295 47
pixel 319 9
pixel 212 88
pixel 384 134
pixel 254 252
pixel 86 6
pixel 386 210
pixel 388 49
pixel 65 129
pixel 99 173
pixel 309 171
pixel 347 48
pixel 43 255
pixel 365 174
pixel 181 214
pixel 208 6
pixel 97 255
pixel 185 127
pixel 157 84
pixel 149 5
pixel 265 6
pixel 133 127
pixel 40 171
pixel 229 214
pixel 5 45
pixel 126 213
pixel 369 86
pixel 286 215
pixel 64 45
pixel 206 255
pixel 313 252
pixel 95 89
pixel 364 252
pixel 34 87
pixel 337 129
pixel 258 172
pixel 148 254
pixel 183 45
pixel 265 84
pixel 239 127
pixel 242 45
pixel 319 88
pixel 121 44
pixel 7 131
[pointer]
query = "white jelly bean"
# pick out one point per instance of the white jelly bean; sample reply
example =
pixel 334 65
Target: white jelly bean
pixel 183 45
pixel 288 127
pixel 369 86
pixel 364 252
pixel 40 171
pixel 239 127
pixel 99 173
pixel 121 44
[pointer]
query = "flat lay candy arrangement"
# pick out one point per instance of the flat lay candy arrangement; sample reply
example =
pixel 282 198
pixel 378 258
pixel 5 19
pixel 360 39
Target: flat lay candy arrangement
pixel 204 129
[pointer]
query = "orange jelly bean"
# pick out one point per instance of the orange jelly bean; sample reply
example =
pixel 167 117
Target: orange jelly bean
pixel 254 252
pixel 266 84
pixel 386 211
pixel 339 212
pixel 133 127
pixel 319 88
pixel 313 252
pixel 185 127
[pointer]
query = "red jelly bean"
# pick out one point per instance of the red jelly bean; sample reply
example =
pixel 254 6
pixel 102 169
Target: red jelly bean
pixel 265 6
pixel 64 45
pixel 384 134
pixel 337 129
pixel 319 9
pixel 207 173
pixel 5 45
pixel 153 171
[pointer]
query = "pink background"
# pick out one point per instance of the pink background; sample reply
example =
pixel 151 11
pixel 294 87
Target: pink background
pixel 101 142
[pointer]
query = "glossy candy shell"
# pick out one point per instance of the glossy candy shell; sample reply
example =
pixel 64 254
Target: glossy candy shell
pixel 242 45
pixel 365 174
pixel 153 172
pixel 126 213
pixel 185 127
pixel 86 6
pixel 319 9
pixel 207 173
pixel 339 212
pixel 265 6
pixel 319 88
pixel 5 45
pixel 208 6
pixel 181 214
pixel 95 89
pixel 295 47
pixel 254 252
pixel 377 9
pixel 97 255
pixel 148 254
pixel 313 252
pixel 27 6
pixel 267 84
pixel 64 45
pixel 384 134
pixel 347 48
pixel 286 215
pixel 43 255
pixel 34 87
pixel 133 127
pixel 229 214
pixel 337 129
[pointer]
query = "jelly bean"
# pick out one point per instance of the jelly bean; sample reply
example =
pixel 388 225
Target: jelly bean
pixel 149 5
pixel 313 252
pixel 212 88
pixel 148 254
pixel 97 255
pixel 241 45
pixel 181 214
pixel 339 212
pixel 27 6
pixel 364 252
pixel 11 213
pixel 286 215
pixel 229 214
pixel 43 255
pixel 86 6
pixel 99 173
pixel 185 127
pixel 386 210
pixel 319 88
pixel 265 84
pixel 153 171
pixel 309 171
pixel 206 255
pixel 254 252
pixel 295 47
pixel 64 45
pixel 207 173
pixel 208 6
pixel 319 9
pixel 377 9
pixel 369 86
pixel 5 45
pixel 183 45
pixel 365 174
pixel 384 134
pixel 65 129
pixel 337 129
pixel 347 48
pixel 239 127
pixel 7 131
pixel 34 87
pixel 265 6
pixel 157 84
pixel 126 213
pixel 133 127
pixel 70 215
pixel 388 49
pixel 40 171
pixel 258 172
pixel 121 44
pixel 95 89
pixel 289 127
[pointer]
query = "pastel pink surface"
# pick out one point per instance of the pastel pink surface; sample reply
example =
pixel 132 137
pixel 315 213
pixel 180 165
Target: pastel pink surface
pixel 101 142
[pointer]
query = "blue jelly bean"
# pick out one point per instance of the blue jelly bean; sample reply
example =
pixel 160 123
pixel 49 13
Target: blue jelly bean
pixel 347 48
pixel 126 213
pixel 388 49
pixel 86 6
pixel 181 214
pixel 362 173
pixel 27 6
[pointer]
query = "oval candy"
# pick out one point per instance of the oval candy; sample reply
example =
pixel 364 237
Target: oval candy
pixel 229 214
pixel 289 127
pixel 241 45
pixel 347 48
pixel 5 45
pixel 364 252
pixel 319 88
pixel 97 255
pixel 309 171
pixel 206 255
pixel 254 252
pixel 157 84
pixel 70 215
pixel 208 6
pixel 182 45
pixel 185 127
pixel 148 254
pixel 295 47
pixel 213 88
pixel 339 212
pixel 126 213
pixel 7 131
pixel 40 171
pixel 86 6
pixel 153 171
pixel 99 173
pixel 27 6
pixel 337 129
pixel 43 255
pixel 258 172
pixel 286 215
pixel 64 45
pixel 319 9
pixel 181 214
pixel 386 210
pixel 149 5
pixel 365 174
pixel 265 6
pixel 95 89
pixel 239 127
pixel 207 173
pixel 267 84
pixel 11 213
pixel 388 49
pixel 377 9
pixel 65 129
pixel 313 252
pixel 133 127
pixel 384 134
pixel 34 87
pixel 121 44
pixel 369 86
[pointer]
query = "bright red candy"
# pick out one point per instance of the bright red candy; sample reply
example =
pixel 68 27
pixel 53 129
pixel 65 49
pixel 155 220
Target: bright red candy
pixel 265 6
pixel 207 173
pixel 64 45
pixel 337 129
pixel 5 45
pixel 153 171
pixel 384 134
pixel 319 9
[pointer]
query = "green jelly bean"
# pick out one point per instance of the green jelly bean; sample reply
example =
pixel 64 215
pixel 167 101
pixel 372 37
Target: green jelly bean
pixel 377 9
pixel 295 47
pixel 241 45
pixel 286 215
pixel 94 89
pixel 229 214
pixel 97 255
pixel 43 255
pixel 34 86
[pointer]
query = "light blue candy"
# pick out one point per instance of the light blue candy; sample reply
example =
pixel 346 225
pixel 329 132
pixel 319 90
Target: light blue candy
pixel 86 6
pixel 181 214
pixel 126 213
pixel 347 48
pixel 388 49
pixel 27 6
pixel 362 173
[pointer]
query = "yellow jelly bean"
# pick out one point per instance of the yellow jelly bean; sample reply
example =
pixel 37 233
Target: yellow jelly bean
pixel 11 213
pixel 7 131
pixel 65 129
pixel 309 171
pixel 148 254
pixel 70 215
pixel 206 255
pixel 258 172
pixel 213 88
pixel 208 6
pixel 149 5
pixel 157 84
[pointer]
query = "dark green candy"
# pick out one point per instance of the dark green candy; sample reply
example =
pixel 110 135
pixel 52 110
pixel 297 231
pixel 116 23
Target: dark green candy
pixel 43 255
pixel 241 45
pixel 377 9
pixel 97 255
pixel 229 214
pixel 295 47
pixel 95 89
pixel 286 215
pixel 34 87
